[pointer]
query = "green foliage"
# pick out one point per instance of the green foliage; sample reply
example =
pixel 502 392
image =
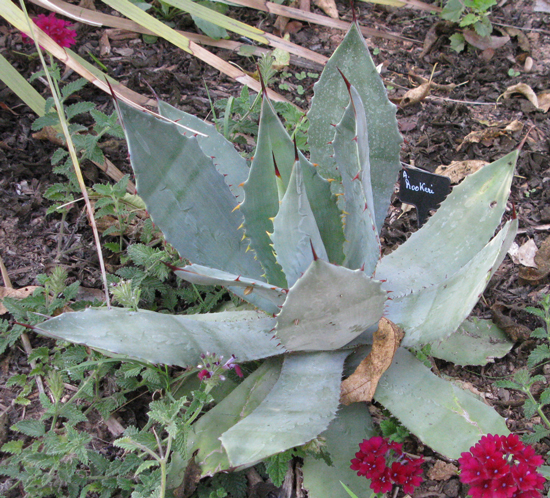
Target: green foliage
pixel 393 430
pixel 468 14
pixel 523 380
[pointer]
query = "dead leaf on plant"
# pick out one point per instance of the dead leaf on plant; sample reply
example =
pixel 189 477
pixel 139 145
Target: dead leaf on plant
pixel 15 293
pixel 442 471
pixel 361 385
pixel 458 170
pixel 524 255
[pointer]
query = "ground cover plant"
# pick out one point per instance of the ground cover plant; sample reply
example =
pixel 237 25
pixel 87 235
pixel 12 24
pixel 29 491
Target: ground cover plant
pixel 316 271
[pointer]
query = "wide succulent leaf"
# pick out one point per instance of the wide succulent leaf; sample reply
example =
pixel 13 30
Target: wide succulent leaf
pixel 206 432
pixel 432 313
pixel 261 294
pixel 351 150
pixel 307 393
pixel 168 339
pixel 329 307
pixel 443 416
pixel 475 342
pixel 185 195
pixel 457 231
pixel 352 58
pixel 352 424
pixel 296 237
pixel 227 160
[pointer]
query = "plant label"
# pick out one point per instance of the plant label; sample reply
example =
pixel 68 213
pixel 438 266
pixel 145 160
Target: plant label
pixel 423 190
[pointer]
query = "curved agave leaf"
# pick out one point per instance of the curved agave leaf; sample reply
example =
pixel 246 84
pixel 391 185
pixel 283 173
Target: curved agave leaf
pixel 352 58
pixel 264 296
pixel 476 342
pixel 177 181
pixel 295 232
pixel 307 392
pixel 351 150
pixel 352 424
pixel 169 339
pixel 432 313
pixel 443 416
pixel 206 432
pixel 227 160
pixel 329 307
pixel 457 231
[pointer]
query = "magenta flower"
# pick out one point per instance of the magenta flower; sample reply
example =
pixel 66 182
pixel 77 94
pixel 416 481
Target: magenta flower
pixel 385 464
pixel 58 30
pixel 501 467
pixel 213 369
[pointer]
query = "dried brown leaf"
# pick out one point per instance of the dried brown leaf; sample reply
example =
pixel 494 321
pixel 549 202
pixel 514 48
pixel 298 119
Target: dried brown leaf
pixel 14 293
pixel 511 328
pixel 458 170
pixel 524 255
pixel 361 385
pixel 328 7
pixel 536 276
pixel 485 42
pixel 442 471
pixel 417 94
pixel 525 90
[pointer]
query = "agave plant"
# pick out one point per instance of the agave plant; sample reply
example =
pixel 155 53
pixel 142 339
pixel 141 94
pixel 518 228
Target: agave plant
pixel 300 241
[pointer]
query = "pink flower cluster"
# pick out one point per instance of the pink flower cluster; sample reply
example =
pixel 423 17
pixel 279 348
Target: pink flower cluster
pixel 213 367
pixel 385 464
pixel 57 29
pixel 502 467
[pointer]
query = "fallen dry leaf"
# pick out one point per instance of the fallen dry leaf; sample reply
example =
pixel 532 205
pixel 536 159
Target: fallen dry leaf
pixel 488 135
pixel 415 95
pixel 524 255
pixel 535 276
pixel 361 384
pixel 15 293
pixel 510 327
pixel 544 101
pixel 328 7
pixel 442 471
pixel 485 42
pixel 525 90
pixel 458 170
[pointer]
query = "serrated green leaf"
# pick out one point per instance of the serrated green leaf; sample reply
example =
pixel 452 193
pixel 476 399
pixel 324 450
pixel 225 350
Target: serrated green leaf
pixel 529 408
pixel 434 312
pixel 227 160
pixel 539 333
pixel 73 110
pixel 352 424
pixel 177 192
pixel 331 97
pixel 276 467
pixel 329 307
pixel 13 447
pixel 539 354
pixel 475 342
pixel 308 391
pixel 34 428
pixel 447 242
pixel 296 238
pixel 169 339
pixel 433 409
pixel 351 151
pixel 539 433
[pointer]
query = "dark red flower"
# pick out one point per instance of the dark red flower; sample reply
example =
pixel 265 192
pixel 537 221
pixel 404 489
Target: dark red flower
pixel 204 374
pixel 385 464
pixel 502 467
pixel 58 30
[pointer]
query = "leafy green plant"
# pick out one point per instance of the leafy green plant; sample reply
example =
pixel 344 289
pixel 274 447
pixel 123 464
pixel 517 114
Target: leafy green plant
pixel 469 14
pixel 310 260
pixel 523 380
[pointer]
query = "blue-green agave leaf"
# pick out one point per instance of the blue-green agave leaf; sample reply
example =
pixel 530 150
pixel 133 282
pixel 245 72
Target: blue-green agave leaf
pixel 432 313
pixel 352 424
pixel 458 230
pixel 300 406
pixel 443 416
pixel 329 307
pixel 295 232
pixel 261 294
pixel 206 432
pixel 227 160
pixel 352 58
pixel 351 150
pixel 177 181
pixel 475 342
pixel 168 339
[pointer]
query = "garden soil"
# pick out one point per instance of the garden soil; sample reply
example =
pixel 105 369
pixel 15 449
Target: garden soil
pixel 464 114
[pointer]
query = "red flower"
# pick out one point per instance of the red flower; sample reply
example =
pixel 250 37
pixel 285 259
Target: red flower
pixel 385 464
pixel 501 467
pixel 58 30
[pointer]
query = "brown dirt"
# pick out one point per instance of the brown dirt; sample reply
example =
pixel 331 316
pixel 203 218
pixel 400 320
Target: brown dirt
pixel 434 131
